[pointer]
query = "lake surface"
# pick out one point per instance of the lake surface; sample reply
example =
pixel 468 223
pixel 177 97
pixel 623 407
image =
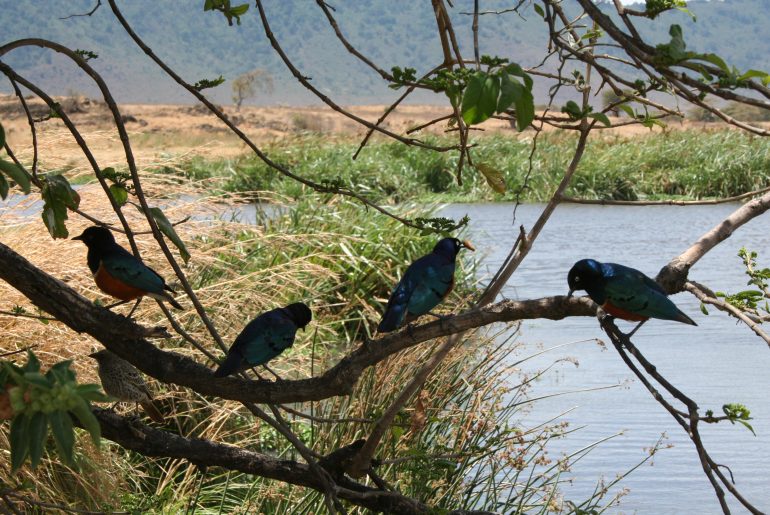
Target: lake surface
pixel 716 363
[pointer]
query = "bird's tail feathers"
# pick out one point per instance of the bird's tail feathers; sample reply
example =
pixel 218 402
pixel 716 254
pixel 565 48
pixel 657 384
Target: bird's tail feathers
pixel 393 317
pixel 681 317
pixel 165 297
pixel 230 365
pixel 152 411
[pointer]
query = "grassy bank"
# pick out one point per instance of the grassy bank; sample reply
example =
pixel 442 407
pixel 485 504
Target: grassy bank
pixel 680 164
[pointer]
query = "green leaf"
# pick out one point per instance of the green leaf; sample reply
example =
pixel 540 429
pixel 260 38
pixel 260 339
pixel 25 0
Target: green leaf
pixel 397 432
pixel 63 434
pixel 755 74
pixel 600 117
pixel 166 228
pixel 2 136
pixel 573 110
pixel 539 10
pixel 715 59
pixel 703 308
pixel 38 379
pixel 515 69
pixel 628 110
pixel 83 411
pixel 3 187
pixel 676 50
pixel 19 439
pixel 32 364
pixel 493 176
pixel 480 98
pixel 92 393
pixel 37 435
pixel 17 173
pixel 239 10
pixel 511 90
pixel 525 110
pixel 58 196
pixel 119 193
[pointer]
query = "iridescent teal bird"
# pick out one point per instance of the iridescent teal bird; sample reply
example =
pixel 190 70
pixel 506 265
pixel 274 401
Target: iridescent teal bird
pixel 624 292
pixel 425 284
pixel 119 273
pixel 265 337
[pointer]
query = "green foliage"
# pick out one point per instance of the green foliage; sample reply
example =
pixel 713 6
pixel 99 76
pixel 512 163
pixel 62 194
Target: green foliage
pixel 678 164
pixel 208 83
pixel 17 174
pixel 168 230
pixel 58 196
pixel 756 299
pixel 738 413
pixel 481 93
pixel 655 7
pixel 402 77
pixel 496 90
pixel 86 54
pixel 575 112
pixel 226 9
pixel 119 188
pixel 675 53
pixel 39 401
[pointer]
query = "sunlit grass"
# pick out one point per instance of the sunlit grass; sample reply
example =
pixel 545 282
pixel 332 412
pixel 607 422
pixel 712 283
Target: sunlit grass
pixel 682 164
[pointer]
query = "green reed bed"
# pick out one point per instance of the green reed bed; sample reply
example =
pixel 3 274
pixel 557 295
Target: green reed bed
pixel 691 164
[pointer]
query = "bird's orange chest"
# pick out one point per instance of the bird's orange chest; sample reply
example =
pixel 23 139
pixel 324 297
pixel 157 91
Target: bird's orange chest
pixel 115 287
pixel 622 313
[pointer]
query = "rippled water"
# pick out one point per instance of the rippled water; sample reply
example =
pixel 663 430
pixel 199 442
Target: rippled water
pixel 715 363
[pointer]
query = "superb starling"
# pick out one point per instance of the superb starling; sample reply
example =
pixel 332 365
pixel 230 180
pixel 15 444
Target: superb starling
pixel 624 292
pixel 118 273
pixel 122 380
pixel 264 338
pixel 425 284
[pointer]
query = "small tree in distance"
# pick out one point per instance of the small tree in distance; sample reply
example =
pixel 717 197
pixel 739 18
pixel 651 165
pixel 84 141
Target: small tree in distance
pixel 249 84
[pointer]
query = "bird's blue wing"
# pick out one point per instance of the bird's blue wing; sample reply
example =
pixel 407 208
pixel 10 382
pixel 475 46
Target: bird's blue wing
pixel 400 298
pixel 432 286
pixel 265 338
pixel 129 270
pixel 631 292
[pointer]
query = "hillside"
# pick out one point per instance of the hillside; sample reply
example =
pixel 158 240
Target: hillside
pixel 202 45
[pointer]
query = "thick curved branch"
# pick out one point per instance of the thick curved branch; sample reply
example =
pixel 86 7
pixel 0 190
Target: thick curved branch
pixel 149 441
pixel 673 276
pixel 128 340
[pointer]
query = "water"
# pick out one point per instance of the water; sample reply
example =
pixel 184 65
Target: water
pixel 716 363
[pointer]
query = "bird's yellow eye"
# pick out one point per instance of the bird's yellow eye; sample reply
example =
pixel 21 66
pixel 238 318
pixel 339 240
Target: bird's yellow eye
pixel 577 279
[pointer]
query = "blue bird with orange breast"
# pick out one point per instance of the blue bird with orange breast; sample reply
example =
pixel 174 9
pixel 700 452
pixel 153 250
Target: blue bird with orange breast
pixel 624 292
pixel 119 273
pixel 425 284
pixel 265 337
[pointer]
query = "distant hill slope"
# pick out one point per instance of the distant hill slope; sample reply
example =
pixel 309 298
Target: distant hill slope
pixel 391 32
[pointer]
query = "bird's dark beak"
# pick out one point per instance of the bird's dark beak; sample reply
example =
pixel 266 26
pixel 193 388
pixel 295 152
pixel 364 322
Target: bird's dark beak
pixel 569 294
pixel 469 246
pixel 92 355
pixel 78 237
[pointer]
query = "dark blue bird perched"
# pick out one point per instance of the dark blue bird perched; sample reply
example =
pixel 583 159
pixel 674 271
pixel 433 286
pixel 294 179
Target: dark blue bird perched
pixel 624 292
pixel 264 338
pixel 425 284
pixel 118 273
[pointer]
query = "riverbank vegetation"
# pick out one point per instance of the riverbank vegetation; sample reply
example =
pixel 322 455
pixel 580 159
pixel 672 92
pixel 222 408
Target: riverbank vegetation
pixel 464 437
pixel 689 165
